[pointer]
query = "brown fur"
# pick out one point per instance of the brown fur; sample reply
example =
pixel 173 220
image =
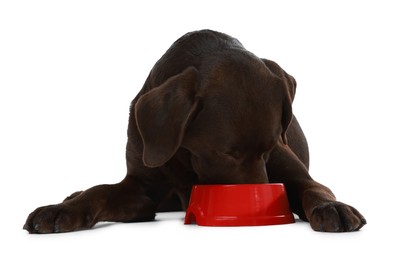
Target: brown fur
pixel 210 112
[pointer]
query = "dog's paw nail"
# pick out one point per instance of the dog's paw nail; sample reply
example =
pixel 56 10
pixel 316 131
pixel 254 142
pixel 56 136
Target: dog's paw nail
pixel 321 228
pixel 350 227
pixel 56 228
pixel 36 227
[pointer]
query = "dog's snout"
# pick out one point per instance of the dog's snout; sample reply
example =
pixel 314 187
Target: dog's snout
pixel 255 172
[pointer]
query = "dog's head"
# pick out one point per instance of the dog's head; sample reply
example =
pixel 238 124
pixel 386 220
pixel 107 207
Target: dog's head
pixel 228 116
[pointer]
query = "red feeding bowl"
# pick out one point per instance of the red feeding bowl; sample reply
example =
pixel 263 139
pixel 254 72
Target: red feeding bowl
pixel 239 205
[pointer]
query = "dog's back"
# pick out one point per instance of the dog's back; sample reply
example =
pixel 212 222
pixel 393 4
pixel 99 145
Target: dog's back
pixel 192 49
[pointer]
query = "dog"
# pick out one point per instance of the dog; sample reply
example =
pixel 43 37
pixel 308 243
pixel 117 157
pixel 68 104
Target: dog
pixel 210 112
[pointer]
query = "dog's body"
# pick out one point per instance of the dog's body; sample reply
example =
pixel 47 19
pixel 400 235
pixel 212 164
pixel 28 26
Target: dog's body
pixel 210 112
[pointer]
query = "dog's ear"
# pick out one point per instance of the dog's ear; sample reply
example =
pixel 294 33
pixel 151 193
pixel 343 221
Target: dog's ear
pixel 162 115
pixel 287 115
pixel 289 89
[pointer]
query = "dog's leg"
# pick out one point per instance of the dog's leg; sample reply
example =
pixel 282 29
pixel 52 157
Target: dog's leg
pixel 125 202
pixel 309 199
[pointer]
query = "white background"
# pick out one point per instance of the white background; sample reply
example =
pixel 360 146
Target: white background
pixel 69 69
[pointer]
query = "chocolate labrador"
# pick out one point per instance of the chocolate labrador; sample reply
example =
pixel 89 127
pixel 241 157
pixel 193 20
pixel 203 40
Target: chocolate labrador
pixel 210 112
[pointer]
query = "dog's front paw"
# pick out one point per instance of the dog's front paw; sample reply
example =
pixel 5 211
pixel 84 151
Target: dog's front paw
pixel 57 218
pixel 336 217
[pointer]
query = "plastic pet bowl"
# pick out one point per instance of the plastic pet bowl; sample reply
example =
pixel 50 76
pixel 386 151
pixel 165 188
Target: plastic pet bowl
pixel 239 205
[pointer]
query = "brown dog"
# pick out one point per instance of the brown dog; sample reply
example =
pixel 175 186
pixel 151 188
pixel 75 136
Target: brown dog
pixel 210 112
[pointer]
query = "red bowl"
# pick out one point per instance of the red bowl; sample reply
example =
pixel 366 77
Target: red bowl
pixel 239 205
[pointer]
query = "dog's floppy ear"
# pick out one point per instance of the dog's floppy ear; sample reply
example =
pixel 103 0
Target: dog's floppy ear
pixel 289 88
pixel 162 115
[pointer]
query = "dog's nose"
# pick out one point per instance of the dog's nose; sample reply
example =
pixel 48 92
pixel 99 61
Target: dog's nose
pixel 255 172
